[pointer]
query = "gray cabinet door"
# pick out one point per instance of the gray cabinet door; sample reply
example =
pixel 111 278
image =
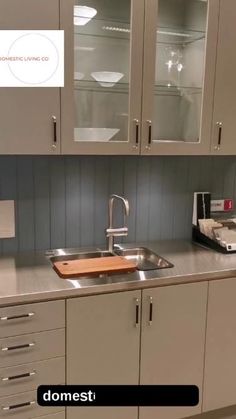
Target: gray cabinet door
pixel 101 101
pixel 172 346
pixel 223 130
pixel 103 347
pixel 220 363
pixel 26 124
pixel 178 80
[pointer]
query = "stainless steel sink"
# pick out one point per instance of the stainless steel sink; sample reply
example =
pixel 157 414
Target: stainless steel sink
pixel 144 258
pixel 77 256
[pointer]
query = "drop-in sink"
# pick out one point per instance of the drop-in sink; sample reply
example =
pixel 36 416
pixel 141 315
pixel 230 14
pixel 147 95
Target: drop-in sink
pixel 78 256
pixel 145 259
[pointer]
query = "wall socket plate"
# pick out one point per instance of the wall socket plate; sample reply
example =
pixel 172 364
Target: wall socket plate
pixel 7 219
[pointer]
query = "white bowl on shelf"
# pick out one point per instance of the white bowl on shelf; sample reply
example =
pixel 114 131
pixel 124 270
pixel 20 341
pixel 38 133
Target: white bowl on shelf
pixel 78 75
pixel 95 134
pixel 107 78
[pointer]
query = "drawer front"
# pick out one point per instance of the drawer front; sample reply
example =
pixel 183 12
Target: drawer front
pixel 24 406
pixel 27 377
pixel 34 347
pixel 31 318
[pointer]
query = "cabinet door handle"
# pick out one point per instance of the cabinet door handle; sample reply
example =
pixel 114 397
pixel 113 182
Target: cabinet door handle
pixel 136 122
pixel 150 310
pixel 18 406
pixel 20 316
pixel 54 120
pixel 149 132
pixel 220 127
pixel 136 312
pixel 17 347
pixel 17 377
pixel 149 136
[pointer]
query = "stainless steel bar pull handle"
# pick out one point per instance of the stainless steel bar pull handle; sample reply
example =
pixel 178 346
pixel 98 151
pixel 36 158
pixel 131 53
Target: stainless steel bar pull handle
pixel 136 312
pixel 220 127
pixel 19 376
pixel 150 310
pixel 149 138
pixel 18 406
pixel 136 122
pixel 17 347
pixel 54 120
pixel 149 132
pixel 20 316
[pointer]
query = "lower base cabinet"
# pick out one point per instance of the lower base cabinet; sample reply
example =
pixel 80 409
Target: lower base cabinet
pixel 24 406
pixel 173 341
pixel 106 333
pixel 103 336
pixel 220 361
pixel 102 413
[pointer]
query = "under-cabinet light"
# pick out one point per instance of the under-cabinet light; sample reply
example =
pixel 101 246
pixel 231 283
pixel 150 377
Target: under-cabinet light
pixel 90 49
pixel 162 32
pixel 185 35
pixel 83 14
pixel 115 29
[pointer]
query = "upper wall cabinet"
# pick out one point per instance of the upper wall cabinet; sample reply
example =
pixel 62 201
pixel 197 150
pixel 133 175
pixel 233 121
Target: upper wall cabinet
pixel 139 76
pixel 223 132
pixel 101 101
pixel 29 117
pixel 179 66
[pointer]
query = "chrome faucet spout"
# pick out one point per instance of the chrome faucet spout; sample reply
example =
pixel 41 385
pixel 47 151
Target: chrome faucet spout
pixel 112 232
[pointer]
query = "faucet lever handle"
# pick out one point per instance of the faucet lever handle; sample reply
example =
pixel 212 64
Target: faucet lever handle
pixel 117 232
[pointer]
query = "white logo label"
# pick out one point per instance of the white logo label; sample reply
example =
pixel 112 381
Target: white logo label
pixel 32 58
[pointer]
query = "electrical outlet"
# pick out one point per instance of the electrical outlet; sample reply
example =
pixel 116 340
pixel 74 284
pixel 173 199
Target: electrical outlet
pixel 7 219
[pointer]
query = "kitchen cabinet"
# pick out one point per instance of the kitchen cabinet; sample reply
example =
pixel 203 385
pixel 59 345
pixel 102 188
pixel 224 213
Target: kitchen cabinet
pixel 178 83
pixel 32 353
pixel 101 100
pixel 173 340
pixel 26 114
pixel 223 132
pixel 139 76
pixel 103 342
pixel 220 367
pixel 103 335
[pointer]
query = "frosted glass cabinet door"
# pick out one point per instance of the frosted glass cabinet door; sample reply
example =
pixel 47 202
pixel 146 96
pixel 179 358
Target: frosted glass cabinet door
pixel 179 64
pixel 101 100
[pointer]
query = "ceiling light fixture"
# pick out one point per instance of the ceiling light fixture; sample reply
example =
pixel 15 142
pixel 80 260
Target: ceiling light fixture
pixel 83 14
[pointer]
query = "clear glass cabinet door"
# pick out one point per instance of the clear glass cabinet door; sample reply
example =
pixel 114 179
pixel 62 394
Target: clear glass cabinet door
pixel 107 54
pixel 176 84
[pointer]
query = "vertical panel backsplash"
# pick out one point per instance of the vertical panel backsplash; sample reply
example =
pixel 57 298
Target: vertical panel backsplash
pixel 62 201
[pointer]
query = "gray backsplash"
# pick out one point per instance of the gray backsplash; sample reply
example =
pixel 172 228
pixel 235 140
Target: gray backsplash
pixel 62 201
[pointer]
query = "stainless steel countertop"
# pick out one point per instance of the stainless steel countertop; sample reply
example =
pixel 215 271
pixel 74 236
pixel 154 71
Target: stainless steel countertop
pixel 29 277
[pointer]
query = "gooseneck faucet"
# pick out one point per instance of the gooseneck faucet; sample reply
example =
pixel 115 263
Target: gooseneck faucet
pixel 112 232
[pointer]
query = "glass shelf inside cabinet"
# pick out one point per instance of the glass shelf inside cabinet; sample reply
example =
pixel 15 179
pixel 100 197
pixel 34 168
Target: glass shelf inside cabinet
pixel 172 90
pixel 178 35
pixel 101 87
pixel 104 29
